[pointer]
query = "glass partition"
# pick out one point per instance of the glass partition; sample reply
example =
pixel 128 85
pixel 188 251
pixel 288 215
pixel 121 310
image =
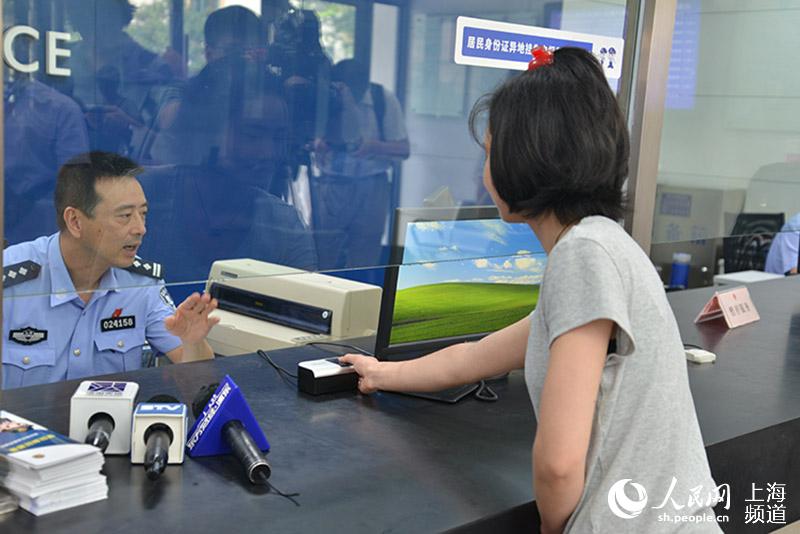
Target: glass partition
pixel 287 132
pixel 728 182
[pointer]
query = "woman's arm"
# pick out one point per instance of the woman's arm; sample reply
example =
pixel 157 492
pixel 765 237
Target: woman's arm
pixel 565 416
pixel 495 354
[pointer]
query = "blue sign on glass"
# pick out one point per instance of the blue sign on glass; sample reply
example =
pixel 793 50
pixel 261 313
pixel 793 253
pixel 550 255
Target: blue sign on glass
pixel 488 43
pixel 676 204
pixel 479 42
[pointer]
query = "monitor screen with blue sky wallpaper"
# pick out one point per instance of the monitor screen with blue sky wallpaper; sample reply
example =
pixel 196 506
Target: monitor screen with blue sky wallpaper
pixel 460 278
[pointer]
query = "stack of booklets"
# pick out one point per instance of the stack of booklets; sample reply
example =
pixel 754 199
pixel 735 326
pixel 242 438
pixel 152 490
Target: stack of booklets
pixel 46 471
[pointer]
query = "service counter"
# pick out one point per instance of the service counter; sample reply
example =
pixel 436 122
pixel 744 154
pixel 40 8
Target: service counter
pixel 390 463
pixel 748 401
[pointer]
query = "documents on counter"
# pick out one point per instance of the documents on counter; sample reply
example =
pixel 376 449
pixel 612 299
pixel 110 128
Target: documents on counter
pixel 46 471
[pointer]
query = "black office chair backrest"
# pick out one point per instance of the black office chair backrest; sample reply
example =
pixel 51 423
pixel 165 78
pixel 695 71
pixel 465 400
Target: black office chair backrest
pixel 747 247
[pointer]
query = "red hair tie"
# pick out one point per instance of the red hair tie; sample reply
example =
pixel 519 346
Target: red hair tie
pixel 541 57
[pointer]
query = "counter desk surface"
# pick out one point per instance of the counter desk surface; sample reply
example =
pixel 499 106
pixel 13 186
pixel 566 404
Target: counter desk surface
pixel 379 463
pixel 755 381
pixel 390 463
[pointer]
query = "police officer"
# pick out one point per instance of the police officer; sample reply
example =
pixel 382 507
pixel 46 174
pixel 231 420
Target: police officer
pixel 81 302
pixel 782 257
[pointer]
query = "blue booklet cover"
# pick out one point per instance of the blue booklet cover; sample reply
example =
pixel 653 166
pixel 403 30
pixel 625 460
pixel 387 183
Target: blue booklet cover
pixel 18 434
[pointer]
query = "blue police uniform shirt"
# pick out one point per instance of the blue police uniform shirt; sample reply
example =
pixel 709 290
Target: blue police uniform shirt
pixel 49 334
pixel 783 253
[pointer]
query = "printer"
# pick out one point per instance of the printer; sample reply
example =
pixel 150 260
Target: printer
pixel 269 306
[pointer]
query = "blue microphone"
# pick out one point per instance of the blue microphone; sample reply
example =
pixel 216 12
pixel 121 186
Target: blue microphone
pixel 225 424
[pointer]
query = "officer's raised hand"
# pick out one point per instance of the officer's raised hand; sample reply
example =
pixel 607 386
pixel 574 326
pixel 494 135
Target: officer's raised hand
pixel 191 323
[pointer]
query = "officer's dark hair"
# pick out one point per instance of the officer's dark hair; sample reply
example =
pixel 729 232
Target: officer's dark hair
pixel 75 184
pixel 558 140
pixel 238 24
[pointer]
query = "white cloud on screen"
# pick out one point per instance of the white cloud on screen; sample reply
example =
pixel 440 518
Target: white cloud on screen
pixel 495 230
pixel 428 226
pixel 529 264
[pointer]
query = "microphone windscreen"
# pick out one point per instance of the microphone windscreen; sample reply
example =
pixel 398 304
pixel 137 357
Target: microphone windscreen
pixel 202 398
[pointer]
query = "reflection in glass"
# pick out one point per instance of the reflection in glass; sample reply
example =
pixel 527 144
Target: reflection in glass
pixel 117 81
pixel 329 114
pixel 289 136
pixel 43 129
pixel 729 151
pixel 350 192
pixel 228 148
pixel 336 29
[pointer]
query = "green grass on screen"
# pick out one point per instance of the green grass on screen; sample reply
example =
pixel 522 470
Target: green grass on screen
pixel 455 309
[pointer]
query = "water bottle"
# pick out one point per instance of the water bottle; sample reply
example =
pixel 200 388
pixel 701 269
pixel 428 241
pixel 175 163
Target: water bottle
pixel 679 277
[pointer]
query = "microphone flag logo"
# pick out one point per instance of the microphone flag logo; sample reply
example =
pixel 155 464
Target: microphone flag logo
pixel 108 388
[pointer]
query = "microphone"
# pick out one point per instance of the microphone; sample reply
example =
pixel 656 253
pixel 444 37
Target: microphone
pixel 246 451
pixel 101 425
pixel 225 424
pixel 159 430
pixel 100 415
pixel 158 438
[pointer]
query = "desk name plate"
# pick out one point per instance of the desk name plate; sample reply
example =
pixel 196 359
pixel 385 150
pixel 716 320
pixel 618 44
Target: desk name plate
pixel 734 305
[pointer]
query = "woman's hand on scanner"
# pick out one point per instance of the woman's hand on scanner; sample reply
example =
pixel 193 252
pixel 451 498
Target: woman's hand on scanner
pixel 367 369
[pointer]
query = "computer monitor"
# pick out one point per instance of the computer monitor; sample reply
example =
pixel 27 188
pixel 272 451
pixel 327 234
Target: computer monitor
pixel 455 274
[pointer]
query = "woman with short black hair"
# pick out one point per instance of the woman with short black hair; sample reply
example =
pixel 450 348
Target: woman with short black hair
pixel 602 354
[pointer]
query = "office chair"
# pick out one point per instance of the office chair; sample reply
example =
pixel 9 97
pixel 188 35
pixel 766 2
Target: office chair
pixel 747 247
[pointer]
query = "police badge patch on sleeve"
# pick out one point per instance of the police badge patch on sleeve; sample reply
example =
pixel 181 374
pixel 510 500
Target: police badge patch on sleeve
pixel 27 335
pixel 165 296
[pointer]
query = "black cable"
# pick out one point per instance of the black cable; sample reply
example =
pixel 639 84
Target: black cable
pixel 285 495
pixel 277 367
pixel 342 345
pixel 261 477
pixel 485 393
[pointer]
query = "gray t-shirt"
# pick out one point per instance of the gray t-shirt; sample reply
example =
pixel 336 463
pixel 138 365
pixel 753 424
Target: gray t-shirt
pixel 645 432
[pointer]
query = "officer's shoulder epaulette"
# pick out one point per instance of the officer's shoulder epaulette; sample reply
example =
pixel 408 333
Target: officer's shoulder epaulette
pixel 20 272
pixel 150 269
